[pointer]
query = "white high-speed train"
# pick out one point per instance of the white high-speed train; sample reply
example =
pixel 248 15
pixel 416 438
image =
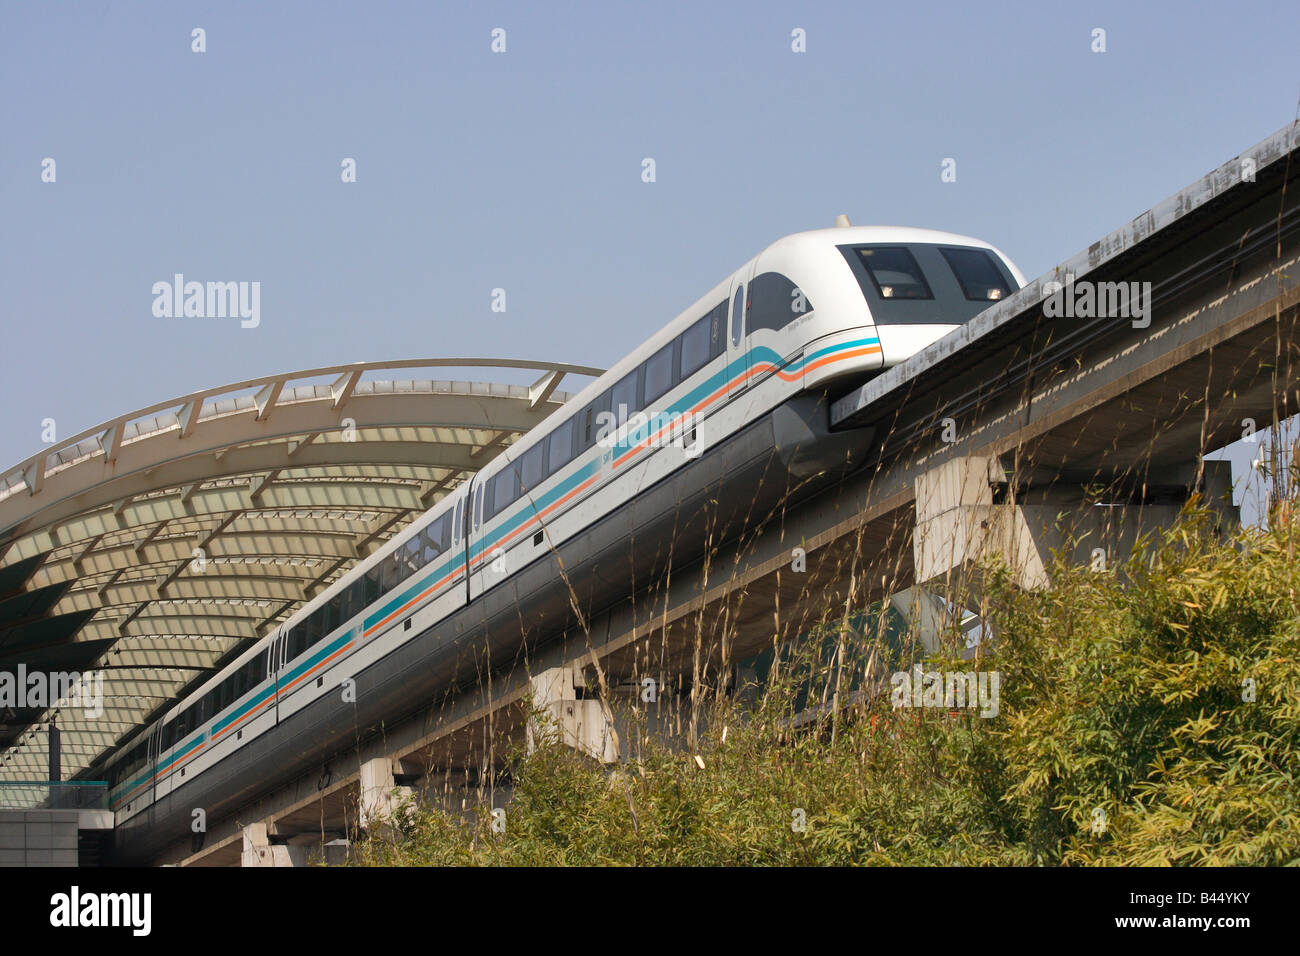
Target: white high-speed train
pixel 729 396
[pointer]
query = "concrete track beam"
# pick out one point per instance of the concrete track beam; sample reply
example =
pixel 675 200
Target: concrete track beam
pixel 969 510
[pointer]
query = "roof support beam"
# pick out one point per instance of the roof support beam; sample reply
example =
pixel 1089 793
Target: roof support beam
pixel 433 487
pixel 217 528
pixel 139 609
pixel 298 445
pixel 493 442
pixel 344 386
pixel 265 623
pixel 363 546
pixel 261 483
pixel 34 475
pixel 543 388
pixel 189 416
pixel 88 547
pixel 153 533
pixel 107 584
pixel 175 572
pixel 111 441
pixel 266 398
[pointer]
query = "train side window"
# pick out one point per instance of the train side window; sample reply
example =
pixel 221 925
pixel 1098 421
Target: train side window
pixel 311 634
pixel 978 274
pixel 413 553
pixel 659 374
pixel 559 447
pixel 430 544
pixel 431 539
pixel 590 422
pixel 737 316
pixel 387 574
pixel 717 330
pixel 391 571
pixel 489 497
pixel 623 397
pixel 370 589
pixel 695 347
pixel 532 467
pixel 775 302
pixel 456 521
pixel 505 489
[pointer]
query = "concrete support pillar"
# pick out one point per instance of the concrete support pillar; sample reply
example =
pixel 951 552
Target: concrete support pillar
pixel 260 851
pixel 958 524
pixel 580 724
pixel 380 794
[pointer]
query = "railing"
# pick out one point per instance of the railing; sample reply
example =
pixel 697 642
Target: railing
pixel 53 795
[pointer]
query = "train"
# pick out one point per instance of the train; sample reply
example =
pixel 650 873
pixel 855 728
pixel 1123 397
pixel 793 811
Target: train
pixel 692 439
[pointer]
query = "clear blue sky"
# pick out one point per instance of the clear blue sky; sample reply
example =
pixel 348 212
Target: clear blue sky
pixel 523 170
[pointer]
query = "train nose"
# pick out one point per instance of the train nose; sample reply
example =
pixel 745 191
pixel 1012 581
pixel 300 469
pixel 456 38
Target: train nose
pixel 901 342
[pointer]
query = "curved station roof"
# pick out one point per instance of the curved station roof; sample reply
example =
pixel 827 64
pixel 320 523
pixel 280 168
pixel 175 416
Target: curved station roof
pixel 162 541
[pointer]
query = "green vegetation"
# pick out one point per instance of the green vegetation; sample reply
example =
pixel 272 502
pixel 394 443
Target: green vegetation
pixel 1125 693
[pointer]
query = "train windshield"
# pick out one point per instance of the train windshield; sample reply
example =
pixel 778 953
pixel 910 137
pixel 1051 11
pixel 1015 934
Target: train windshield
pixel 894 272
pixel 927 283
pixel 978 274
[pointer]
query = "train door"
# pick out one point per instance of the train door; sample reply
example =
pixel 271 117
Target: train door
pixel 737 351
pixel 152 760
pixel 475 561
pixel 458 530
pixel 273 667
